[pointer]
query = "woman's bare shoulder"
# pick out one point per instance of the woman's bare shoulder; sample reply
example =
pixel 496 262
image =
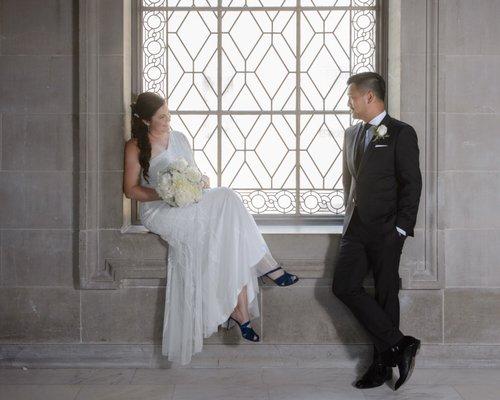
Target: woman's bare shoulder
pixel 131 145
pixel 132 148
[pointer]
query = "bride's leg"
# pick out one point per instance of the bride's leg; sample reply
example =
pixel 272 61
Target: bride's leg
pixel 240 312
pixel 268 263
pixel 271 268
pixel 241 315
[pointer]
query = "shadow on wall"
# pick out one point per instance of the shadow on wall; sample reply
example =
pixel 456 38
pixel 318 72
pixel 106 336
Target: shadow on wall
pixel 347 328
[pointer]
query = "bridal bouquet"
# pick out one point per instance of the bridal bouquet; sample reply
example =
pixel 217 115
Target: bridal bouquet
pixel 180 184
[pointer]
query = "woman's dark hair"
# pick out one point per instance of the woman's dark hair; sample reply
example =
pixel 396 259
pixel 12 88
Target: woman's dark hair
pixel 144 108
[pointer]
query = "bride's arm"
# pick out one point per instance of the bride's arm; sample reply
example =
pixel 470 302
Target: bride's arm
pixel 131 176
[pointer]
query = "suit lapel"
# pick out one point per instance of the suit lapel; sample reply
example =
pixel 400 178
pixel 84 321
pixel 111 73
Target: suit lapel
pixel 369 149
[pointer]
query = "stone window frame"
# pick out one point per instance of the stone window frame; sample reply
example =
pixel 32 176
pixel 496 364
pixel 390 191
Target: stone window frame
pixel 100 268
pixel 262 219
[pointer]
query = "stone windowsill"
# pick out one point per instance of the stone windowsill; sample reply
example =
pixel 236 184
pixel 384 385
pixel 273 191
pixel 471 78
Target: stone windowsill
pixel 324 227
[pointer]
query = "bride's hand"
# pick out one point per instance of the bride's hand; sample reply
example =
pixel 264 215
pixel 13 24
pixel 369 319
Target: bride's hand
pixel 155 195
pixel 206 182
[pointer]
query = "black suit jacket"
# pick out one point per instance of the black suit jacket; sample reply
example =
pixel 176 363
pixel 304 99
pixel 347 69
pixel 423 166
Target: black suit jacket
pixel 386 187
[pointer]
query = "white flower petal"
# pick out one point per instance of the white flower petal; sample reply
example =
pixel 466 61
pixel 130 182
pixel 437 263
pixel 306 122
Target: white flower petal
pixel 381 130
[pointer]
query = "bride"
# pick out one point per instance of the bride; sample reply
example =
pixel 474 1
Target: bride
pixel 216 251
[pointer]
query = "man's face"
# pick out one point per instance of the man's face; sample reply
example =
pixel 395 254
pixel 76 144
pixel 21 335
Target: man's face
pixel 358 101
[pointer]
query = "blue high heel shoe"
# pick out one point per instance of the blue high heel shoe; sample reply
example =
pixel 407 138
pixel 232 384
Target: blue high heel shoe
pixel 286 279
pixel 247 331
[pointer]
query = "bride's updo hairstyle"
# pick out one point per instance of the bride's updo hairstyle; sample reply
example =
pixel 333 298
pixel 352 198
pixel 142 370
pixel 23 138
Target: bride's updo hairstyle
pixel 143 109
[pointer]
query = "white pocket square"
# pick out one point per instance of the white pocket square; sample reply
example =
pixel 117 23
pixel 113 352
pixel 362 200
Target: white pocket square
pixel 381 145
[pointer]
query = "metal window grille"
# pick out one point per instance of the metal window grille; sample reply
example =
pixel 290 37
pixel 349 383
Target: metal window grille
pixel 259 86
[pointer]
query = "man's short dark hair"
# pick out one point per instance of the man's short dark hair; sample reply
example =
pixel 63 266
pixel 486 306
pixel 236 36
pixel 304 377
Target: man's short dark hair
pixel 369 81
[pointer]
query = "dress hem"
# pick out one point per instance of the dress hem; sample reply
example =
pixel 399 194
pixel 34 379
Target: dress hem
pixel 222 320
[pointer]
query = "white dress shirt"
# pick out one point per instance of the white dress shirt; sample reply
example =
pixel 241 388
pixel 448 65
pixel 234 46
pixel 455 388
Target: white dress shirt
pixel 375 122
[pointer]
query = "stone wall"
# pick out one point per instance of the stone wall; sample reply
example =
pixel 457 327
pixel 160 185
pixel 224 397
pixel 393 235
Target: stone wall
pixel 469 178
pixel 62 111
pixel 39 137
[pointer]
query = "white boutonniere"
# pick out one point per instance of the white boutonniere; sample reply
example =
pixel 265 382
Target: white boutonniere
pixel 380 132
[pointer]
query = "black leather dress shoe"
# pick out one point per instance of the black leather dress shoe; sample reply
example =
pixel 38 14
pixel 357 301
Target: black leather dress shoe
pixel 403 356
pixel 376 375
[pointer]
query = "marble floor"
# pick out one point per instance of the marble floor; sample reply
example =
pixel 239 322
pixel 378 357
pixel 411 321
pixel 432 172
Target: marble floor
pixel 239 384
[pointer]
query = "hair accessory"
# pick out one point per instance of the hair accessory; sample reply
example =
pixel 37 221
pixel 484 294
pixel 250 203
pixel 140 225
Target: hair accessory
pixel 134 113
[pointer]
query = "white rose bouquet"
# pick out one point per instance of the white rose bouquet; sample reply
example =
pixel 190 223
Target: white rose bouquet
pixel 180 184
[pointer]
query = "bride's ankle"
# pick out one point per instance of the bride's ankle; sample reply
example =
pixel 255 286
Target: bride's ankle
pixel 239 315
pixel 276 274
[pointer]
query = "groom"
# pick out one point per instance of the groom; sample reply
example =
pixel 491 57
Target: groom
pixel 382 184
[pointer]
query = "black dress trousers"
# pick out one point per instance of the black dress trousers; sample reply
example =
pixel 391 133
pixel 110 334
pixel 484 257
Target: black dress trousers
pixel 362 250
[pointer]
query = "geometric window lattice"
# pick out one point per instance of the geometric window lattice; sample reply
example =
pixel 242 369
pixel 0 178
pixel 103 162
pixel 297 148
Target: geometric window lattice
pixel 260 88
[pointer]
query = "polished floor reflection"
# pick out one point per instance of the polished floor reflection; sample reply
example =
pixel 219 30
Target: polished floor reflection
pixel 239 384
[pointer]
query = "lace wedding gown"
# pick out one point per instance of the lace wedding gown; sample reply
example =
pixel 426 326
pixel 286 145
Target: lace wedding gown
pixel 215 248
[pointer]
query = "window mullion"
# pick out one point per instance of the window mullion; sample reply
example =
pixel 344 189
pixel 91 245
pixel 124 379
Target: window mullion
pixel 219 92
pixel 297 108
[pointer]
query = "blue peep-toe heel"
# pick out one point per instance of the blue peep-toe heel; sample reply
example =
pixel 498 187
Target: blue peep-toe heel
pixel 286 279
pixel 247 331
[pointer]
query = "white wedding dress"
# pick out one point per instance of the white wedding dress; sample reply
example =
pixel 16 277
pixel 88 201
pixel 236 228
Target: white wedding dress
pixel 215 248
